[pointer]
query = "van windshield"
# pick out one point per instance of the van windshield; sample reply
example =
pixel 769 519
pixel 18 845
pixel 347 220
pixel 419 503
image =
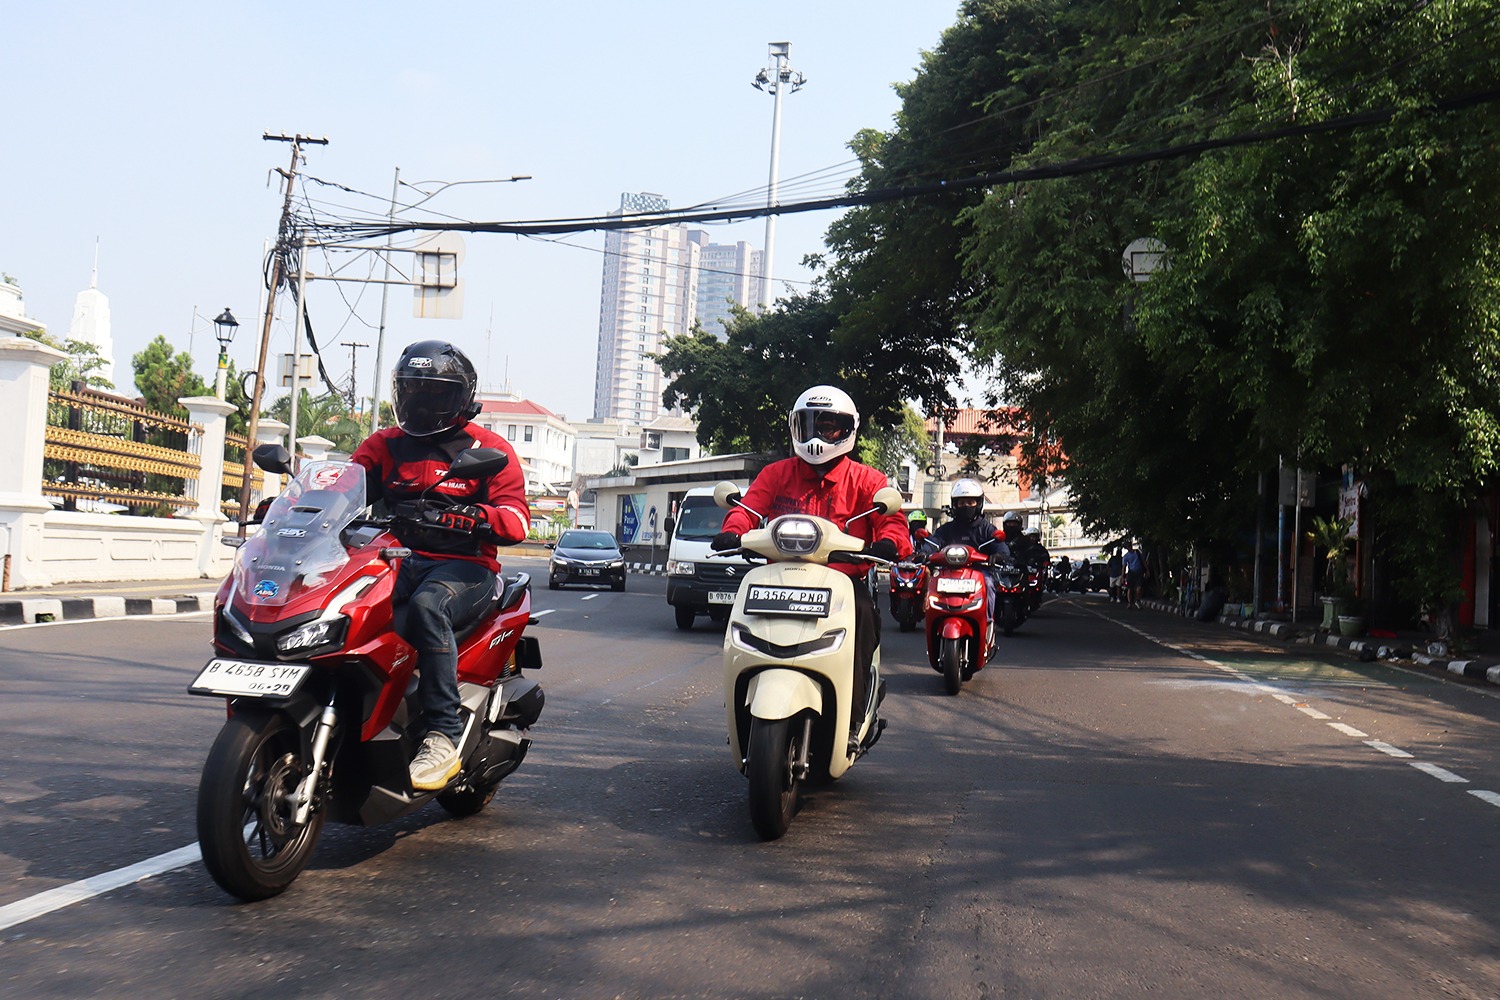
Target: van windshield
pixel 699 519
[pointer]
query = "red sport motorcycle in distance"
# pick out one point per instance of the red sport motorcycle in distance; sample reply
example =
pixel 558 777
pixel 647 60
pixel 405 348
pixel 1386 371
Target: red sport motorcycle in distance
pixel 960 636
pixel 321 686
pixel 908 587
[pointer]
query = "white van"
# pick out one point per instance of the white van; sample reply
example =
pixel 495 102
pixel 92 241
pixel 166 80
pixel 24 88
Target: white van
pixel 696 584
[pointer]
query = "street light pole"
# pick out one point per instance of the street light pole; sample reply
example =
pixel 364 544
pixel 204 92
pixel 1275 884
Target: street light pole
pixel 774 79
pixel 225 326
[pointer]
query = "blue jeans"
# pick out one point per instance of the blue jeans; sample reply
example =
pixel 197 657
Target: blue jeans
pixel 443 595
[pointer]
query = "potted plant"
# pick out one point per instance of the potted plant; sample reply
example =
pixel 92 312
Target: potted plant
pixel 1351 618
pixel 1332 536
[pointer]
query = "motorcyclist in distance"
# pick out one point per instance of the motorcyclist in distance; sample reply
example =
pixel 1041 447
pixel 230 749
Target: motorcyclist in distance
pixel 449 578
pixel 823 479
pixel 916 524
pixel 970 527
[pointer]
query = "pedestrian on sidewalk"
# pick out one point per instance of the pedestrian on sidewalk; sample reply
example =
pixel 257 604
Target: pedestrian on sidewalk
pixel 1135 570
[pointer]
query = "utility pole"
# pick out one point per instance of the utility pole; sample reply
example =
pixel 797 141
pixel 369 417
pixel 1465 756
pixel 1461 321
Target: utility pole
pixel 778 76
pixel 278 272
pixel 385 291
pixel 353 369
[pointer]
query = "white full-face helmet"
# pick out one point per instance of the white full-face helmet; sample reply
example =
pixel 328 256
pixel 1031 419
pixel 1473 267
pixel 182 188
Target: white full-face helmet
pixel 966 501
pixel 823 422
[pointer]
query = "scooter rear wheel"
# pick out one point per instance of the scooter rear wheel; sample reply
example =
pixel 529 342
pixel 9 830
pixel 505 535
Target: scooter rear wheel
pixel 952 656
pixel 246 799
pixel 770 765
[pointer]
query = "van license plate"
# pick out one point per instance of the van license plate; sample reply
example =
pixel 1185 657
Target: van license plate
pixel 721 597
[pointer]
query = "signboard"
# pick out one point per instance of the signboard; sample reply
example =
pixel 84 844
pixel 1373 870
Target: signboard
pixel 1349 506
pixel 632 520
pixel 1297 487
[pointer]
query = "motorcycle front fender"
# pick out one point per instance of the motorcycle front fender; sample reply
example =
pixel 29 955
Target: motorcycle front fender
pixel 955 627
pixel 780 694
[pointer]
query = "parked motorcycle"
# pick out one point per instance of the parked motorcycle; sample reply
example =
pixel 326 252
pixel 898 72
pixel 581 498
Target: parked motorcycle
pixel 908 585
pixel 789 660
pixel 321 686
pixel 960 636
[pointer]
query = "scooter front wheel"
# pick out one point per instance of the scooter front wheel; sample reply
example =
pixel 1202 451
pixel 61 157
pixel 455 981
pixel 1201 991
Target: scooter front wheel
pixel 952 658
pixel 771 766
pixel 246 800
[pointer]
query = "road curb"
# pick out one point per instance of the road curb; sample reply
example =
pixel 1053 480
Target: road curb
pixel 1362 648
pixel 31 610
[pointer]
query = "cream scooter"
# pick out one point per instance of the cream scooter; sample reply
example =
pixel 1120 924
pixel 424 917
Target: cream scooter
pixel 789 660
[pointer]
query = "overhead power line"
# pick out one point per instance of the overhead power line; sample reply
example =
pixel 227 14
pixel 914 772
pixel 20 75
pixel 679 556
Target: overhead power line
pixel 1054 171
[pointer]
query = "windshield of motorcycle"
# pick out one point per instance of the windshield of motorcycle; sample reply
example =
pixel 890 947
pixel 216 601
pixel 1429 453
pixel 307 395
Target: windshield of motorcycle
pixel 298 549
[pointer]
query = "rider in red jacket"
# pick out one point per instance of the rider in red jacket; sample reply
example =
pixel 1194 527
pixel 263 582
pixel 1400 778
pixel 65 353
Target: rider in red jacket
pixel 450 576
pixel 825 481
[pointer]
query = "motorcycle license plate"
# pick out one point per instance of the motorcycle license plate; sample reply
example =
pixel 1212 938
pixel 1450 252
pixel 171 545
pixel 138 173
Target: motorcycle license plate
pixel 950 586
pixel 799 602
pixel 721 597
pixel 248 678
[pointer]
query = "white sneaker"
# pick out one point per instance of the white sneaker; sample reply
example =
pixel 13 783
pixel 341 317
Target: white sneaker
pixel 435 763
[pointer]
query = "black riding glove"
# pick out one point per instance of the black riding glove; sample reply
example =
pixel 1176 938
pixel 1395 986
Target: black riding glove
pixel 724 541
pixel 882 548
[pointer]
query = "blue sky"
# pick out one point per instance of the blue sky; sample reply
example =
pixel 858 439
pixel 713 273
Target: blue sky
pixel 140 125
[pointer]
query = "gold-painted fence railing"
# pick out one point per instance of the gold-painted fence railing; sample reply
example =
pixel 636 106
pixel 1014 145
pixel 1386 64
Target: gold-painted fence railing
pixel 103 448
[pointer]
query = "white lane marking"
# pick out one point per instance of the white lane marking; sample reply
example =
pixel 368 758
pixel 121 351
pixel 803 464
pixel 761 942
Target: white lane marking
pixel 96 885
pixel 590 597
pixel 1440 773
pixel 534 614
pixel 115 618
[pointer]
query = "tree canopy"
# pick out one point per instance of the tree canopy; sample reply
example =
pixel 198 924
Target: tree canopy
pixel 1323 179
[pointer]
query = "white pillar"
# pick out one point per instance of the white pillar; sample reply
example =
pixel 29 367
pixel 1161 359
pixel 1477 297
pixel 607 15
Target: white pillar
pixel 213 414
pixel 24 365
pixel 314 448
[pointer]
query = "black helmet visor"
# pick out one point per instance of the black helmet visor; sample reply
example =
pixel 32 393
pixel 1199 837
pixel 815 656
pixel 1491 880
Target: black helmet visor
pixel 428 405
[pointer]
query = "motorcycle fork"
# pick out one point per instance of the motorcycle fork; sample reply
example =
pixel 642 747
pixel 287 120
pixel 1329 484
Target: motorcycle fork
pixel 321 735
pixel 801 765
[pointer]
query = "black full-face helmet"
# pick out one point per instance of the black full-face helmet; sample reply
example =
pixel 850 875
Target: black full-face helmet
pixel 433 388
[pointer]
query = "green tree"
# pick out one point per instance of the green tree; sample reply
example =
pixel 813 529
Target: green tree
pixel 327 415
pixel 163 377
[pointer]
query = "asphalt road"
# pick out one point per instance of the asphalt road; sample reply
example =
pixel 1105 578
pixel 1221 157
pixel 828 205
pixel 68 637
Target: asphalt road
pixel 1122 804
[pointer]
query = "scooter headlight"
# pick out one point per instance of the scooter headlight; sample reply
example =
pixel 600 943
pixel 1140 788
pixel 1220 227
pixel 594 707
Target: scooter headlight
pixel 795 536
pixel 956 555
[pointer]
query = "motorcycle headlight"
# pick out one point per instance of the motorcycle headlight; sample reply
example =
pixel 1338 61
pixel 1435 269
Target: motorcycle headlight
pixel 956 555
pixel 795 536
pixel 323 632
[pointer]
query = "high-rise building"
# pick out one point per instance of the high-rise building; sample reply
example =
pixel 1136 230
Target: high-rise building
pixel 655 285
pixel 726 273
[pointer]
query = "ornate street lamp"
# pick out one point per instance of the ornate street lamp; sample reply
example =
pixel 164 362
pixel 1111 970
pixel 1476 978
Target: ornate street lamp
pixel 225 327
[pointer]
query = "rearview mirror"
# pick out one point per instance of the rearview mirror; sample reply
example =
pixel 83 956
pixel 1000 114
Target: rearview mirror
pixel 889 500
pixel 477 463
pixel 273 458
pixel 725 494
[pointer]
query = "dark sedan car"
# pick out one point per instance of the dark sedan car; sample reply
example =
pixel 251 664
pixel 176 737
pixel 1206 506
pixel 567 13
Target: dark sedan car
pixel 586 557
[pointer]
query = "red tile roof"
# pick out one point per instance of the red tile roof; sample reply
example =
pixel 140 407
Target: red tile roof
pixel 520 407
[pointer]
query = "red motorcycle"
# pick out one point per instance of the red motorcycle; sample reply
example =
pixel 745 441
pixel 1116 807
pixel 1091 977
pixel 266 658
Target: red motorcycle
pixel 960 636
pixel 908 585
pixel 321 686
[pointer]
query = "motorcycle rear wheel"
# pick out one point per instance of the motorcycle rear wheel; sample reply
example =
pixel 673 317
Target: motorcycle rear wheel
pixel 952 657
pixel 770 764
pixel 246 796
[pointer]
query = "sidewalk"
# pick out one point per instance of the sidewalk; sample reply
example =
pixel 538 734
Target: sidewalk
pixel 1481 665
pixel 69 601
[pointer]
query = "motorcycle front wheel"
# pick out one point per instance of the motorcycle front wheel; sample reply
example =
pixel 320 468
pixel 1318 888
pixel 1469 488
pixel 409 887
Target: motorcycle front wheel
pixel 771 766
pixel 952 658
pixel 246 801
